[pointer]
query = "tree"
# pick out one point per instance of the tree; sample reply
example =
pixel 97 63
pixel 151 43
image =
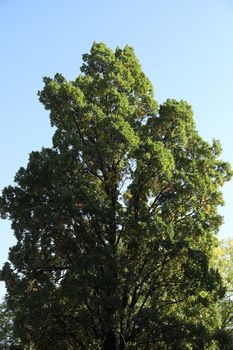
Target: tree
pixel 7 339
pixel 6 327
pixel 223 255
pixel 115 224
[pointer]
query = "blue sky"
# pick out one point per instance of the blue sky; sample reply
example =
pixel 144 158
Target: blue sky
pixel 185 48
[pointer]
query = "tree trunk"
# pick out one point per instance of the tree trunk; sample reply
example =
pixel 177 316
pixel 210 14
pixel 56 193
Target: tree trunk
pixel 110 341
pixel 122 344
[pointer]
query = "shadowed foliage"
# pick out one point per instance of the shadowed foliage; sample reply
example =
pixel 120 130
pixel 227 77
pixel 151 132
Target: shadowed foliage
pixel 115 224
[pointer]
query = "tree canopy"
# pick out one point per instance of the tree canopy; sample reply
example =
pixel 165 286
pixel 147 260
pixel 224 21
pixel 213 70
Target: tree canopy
pixel 116 223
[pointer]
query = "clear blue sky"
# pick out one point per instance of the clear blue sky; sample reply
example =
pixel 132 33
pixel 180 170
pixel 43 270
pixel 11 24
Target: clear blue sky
pixel 185 47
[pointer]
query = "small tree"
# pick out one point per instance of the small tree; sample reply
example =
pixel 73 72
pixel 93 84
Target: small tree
pixel 224 261
pixel 116 223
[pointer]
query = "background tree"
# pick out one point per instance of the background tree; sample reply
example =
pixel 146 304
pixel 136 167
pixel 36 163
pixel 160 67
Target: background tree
pixel 223 255
pixel 116 223
pixel 6 327
pixel 7 339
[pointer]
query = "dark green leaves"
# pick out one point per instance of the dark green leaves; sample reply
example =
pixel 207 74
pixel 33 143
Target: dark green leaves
pixel 116 223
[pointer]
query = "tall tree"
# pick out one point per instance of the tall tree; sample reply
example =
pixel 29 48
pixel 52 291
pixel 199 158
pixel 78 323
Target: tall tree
pixel 116 223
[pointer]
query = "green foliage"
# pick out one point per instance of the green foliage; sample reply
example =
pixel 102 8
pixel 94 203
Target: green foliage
pixel 8 340
pixel 116 223
pixel 224 261
pixel 6 327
